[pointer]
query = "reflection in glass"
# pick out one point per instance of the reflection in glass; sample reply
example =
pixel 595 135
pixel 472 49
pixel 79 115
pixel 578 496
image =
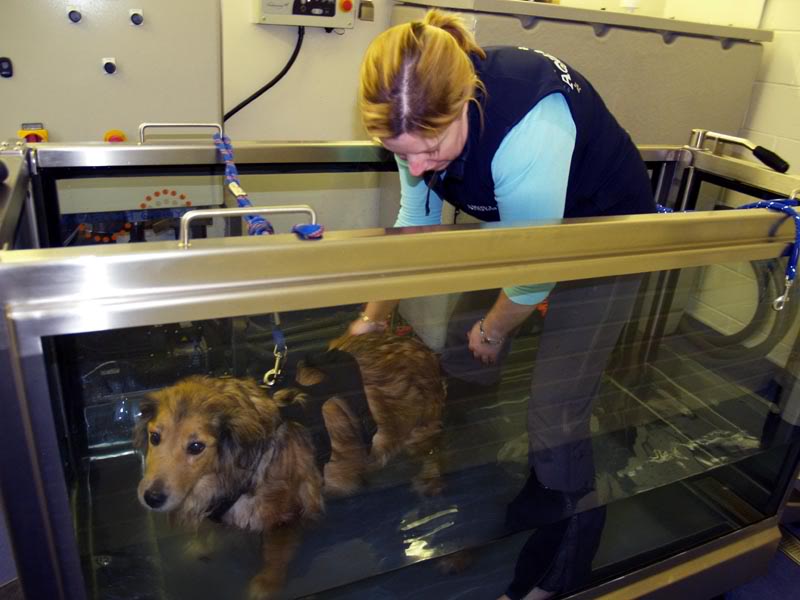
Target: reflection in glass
pixel 635 407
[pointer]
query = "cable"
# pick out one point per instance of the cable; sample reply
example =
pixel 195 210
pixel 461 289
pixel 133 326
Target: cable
pixel 301 32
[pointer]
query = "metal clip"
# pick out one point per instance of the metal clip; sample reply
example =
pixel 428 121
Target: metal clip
pixel 236 189
pixel 271 376
pixel 781 301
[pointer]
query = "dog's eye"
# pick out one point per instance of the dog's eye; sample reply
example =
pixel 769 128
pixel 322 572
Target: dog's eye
pixel 155 438
pixel 195 447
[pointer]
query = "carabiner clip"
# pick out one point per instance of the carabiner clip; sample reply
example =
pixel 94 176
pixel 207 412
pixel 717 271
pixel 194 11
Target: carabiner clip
pixel 781 301
pixel 271 377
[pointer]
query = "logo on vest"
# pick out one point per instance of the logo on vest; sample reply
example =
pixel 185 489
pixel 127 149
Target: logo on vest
pixel 565 76
pixel 481 208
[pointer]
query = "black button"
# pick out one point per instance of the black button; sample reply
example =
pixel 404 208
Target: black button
pixel 75 16
pixel 109 67
pixel 6 68
pixel 137 18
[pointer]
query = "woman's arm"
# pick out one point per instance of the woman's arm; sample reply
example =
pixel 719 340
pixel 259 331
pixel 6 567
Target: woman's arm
pixel 531 173
pixel 413 197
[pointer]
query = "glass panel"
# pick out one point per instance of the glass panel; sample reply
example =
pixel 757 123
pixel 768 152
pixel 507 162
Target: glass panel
pixel 138 209
pixel 627 419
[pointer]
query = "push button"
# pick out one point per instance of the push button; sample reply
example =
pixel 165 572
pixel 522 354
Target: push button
pixel 115 135
pixel 6 68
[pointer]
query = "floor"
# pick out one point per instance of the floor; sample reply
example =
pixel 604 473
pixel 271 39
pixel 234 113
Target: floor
pixel 782 581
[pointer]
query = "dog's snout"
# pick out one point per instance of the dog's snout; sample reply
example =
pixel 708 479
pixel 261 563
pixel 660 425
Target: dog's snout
pixel 155 498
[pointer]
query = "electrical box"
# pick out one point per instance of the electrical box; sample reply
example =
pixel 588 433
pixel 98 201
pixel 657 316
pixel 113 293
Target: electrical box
pixel 331 14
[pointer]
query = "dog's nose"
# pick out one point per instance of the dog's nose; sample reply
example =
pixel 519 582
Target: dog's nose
pixel 155 499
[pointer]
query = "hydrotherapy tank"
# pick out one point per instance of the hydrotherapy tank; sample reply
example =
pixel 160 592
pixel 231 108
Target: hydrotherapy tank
pixel 694 449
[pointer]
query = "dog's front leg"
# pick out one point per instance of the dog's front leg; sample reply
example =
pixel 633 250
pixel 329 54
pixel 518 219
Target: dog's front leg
pixel 278 546
pixel 201 545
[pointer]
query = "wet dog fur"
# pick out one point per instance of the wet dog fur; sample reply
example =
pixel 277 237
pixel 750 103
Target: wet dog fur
pixel 208 439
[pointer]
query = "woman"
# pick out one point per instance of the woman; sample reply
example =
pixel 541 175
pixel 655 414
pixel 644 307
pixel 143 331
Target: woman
pixel 510 134
pixel 504 134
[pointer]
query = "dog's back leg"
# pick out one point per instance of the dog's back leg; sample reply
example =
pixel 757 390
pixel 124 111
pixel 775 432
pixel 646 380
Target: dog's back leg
pixel 424 445
pixel 344 473
pixel 278 547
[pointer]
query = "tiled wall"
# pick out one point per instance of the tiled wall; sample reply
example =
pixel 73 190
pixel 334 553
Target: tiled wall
pixel 774 117
pixel 726 299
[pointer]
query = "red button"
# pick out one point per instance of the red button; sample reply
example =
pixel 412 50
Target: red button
pixel 115 138
pixel 347 5
pixel 33 138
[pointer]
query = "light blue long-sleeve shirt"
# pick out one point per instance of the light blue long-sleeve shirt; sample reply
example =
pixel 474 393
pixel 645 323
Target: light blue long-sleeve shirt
pixel 530 171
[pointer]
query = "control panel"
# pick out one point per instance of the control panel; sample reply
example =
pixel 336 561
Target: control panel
pixel 71 70
pixel 331 14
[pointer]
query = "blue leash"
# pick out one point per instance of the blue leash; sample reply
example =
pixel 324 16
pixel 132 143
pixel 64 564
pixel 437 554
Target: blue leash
pixel 256 224
pixel 787 207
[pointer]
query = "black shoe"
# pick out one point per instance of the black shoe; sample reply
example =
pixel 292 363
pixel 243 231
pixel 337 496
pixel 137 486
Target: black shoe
pixel 536 559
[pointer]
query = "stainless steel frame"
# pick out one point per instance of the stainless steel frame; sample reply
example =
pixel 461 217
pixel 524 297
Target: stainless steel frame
pixel 12 196
pixel 70 290
pixel 701 572
pixel 556 12
pixel 94 155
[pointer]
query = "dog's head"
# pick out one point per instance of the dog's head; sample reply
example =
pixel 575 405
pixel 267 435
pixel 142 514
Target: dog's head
pixel 200 438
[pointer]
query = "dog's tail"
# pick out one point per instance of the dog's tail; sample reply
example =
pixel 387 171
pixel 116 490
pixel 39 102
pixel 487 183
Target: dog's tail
pixel 288 396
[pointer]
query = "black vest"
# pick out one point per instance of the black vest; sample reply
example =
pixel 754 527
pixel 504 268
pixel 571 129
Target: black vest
pixel 607 175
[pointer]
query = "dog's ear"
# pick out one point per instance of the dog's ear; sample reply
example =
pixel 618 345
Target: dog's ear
pixel 241 437
pixel 147 410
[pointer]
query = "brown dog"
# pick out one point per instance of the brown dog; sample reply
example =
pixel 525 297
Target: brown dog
pixel 220 449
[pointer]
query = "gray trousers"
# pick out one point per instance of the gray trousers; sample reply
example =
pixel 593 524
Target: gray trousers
pixel 581 329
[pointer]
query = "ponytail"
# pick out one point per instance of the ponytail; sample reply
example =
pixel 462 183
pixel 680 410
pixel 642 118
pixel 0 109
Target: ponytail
pixel 453 25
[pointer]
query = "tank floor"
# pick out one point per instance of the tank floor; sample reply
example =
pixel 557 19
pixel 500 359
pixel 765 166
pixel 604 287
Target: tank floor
pixel 669 439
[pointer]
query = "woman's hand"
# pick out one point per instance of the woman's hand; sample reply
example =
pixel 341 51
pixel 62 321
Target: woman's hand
pixel 374 318
pixel 364 325
pixel 484 347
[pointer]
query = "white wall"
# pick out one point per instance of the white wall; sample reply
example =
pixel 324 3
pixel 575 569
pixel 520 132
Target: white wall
pixel 737 13
pixel 316 98
pixel 727 294
pixel 774 117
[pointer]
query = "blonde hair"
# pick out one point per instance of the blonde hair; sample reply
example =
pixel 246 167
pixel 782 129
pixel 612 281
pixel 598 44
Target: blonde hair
pixel 416 77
